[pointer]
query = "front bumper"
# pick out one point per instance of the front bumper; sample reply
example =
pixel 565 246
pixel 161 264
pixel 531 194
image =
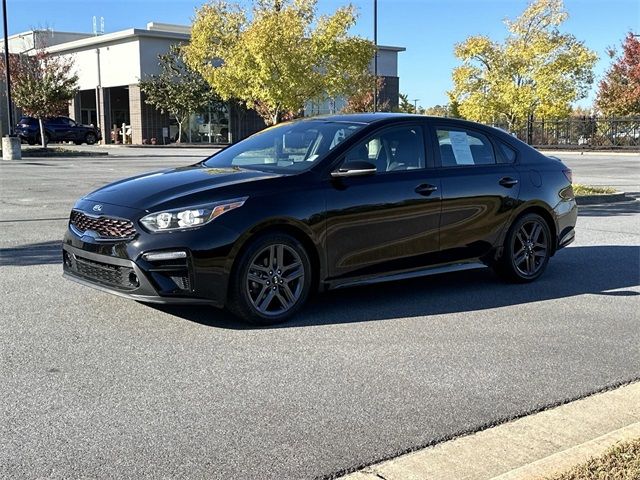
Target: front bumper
pixel 121 277
pixel 124 278
pixel 145 292
pixel 26 136
pixel 123 267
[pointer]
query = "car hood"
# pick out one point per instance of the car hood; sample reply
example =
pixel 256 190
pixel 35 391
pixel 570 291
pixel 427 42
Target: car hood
pixel 149 190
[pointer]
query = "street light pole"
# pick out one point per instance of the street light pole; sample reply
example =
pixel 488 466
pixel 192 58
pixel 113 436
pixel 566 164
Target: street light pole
pixel 6 68
pixel 415 105
pixel 375 57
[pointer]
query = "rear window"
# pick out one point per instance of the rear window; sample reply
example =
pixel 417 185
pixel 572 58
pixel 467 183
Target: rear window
pixel 27 121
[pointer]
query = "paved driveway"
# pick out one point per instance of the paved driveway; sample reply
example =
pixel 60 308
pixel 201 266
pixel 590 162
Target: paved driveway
pixel 96 386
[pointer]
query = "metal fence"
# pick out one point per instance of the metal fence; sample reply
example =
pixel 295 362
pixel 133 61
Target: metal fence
pixel 584 132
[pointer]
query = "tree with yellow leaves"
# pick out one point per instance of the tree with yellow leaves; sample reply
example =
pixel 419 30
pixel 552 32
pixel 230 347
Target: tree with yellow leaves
pixel 281 57
pixel 536 72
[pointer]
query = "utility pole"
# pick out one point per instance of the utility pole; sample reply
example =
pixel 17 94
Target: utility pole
pixel 415 105
pixel 375 57
pixel 6 68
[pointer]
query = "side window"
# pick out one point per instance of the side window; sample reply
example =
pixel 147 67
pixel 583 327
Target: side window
pixel 391 150
pixel 508 153
pixel 459 147
pixel 341 135
pixel 59 122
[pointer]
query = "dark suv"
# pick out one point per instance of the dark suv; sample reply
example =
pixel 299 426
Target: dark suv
pixel 57 129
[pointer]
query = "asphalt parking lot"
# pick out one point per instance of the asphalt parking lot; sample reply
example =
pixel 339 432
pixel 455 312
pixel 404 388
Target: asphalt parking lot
pixel 96 386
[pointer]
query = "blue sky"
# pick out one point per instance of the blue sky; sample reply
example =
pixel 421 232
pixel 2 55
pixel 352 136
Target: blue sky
pixel 428 29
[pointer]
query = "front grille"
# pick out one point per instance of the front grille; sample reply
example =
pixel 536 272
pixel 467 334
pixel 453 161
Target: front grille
pixel 106 227
pixel 104 273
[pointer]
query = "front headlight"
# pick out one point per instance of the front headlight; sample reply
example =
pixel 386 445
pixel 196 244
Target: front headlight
pixel 182 218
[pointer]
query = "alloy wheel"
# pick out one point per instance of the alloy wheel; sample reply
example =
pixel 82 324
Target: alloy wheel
pixel 530 248
pixel 275 279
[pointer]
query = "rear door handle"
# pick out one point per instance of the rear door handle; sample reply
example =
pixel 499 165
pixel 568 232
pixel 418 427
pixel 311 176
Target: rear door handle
pixel 426 189
pixel 508 182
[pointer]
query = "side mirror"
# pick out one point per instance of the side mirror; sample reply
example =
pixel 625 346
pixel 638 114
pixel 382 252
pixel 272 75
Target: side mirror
pixel 357 168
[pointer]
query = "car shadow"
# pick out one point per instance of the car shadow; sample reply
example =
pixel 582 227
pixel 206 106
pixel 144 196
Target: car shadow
pixel 44 253
pixel 598 270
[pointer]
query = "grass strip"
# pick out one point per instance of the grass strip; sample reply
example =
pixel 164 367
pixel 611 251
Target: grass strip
pixel 620 462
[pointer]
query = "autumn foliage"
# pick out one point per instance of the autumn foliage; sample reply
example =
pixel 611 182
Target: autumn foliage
pixel 279 56
pixel 362 100
pixel 619 91
pixel 42 84
pixel 538 71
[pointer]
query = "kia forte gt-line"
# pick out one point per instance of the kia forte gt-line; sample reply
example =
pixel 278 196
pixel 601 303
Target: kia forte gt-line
pixel 324 203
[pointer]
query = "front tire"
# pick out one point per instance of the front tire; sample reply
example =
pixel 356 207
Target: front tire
pixel 526 250
pixel 47 138
pixel 90 138
pixel 271 281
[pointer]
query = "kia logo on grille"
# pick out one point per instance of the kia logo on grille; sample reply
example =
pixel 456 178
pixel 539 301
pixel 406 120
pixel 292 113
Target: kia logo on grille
pixel 97 208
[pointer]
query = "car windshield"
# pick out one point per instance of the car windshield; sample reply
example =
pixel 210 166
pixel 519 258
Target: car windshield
pixel 290 147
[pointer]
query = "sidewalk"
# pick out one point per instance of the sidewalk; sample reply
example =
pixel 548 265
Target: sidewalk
pixel 531 447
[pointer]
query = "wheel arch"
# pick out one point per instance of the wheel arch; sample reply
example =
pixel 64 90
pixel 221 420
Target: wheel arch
pixel 297 230
pixel 546 213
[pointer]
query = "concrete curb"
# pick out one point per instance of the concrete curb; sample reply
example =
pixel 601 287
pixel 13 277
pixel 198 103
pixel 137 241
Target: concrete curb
pixel 603 198
pixel 61 154
pixel 538 445
pixel 170 146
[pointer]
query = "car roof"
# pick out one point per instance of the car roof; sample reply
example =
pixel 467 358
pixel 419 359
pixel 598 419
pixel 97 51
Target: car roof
pixel 361 117
pixel 384 117
pixel 45 118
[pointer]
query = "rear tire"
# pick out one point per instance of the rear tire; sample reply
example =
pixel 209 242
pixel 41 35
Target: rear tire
pixel 271 280
pixel 526 250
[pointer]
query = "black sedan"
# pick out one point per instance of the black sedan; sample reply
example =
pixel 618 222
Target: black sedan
pixel 57 129
pixel 324 203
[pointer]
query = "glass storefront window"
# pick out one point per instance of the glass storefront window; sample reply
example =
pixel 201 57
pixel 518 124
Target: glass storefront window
pixel 210 126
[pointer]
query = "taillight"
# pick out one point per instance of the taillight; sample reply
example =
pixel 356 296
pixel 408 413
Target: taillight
pixel 567 173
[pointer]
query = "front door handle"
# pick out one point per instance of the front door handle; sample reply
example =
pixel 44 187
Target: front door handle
pixel 426 189
pixel 508 182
